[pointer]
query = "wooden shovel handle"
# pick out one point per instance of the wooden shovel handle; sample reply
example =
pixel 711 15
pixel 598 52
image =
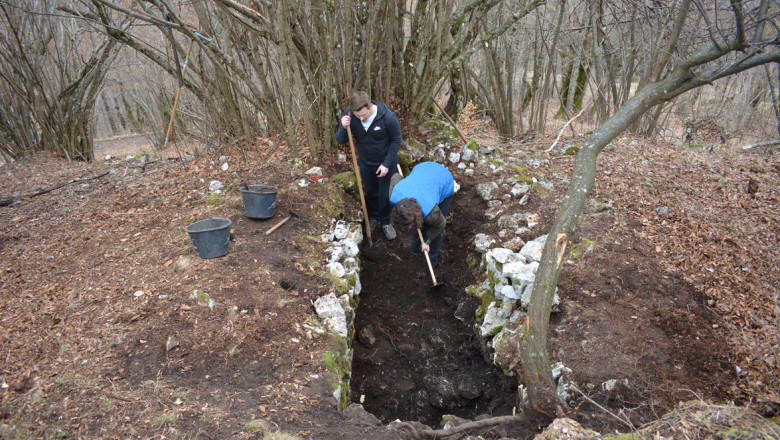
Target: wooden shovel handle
pixel 278 225
pixel 359 185
pixel 427 258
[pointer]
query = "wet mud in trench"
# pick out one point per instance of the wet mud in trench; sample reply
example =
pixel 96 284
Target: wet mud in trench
pixel 417 355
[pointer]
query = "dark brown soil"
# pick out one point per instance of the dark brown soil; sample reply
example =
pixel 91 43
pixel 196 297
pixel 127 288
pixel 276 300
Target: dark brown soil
pixel 425 358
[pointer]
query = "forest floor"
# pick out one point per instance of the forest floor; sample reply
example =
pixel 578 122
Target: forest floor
pixel 102 336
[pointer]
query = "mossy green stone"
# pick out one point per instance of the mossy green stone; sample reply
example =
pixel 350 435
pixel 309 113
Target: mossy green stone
pixel 416 147
pixel 572 150
pixel 214 199
pixel 582 249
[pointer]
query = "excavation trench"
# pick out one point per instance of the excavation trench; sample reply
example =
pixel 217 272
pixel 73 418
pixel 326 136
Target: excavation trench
pixel 417 355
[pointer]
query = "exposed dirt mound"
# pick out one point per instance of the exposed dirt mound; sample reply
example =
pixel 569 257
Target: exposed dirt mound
pixel 418 355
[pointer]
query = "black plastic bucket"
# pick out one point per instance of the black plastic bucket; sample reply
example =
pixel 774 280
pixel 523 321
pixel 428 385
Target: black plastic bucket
pixel 259 201
pixel 210 237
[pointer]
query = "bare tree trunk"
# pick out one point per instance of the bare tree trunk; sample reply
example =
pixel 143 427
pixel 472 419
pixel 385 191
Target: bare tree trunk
pixel 775 101
pixel 52 79
pixel 628 62
pixel 664 60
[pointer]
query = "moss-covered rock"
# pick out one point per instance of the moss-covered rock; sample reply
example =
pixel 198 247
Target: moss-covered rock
pixel 416 149
pixel 435 125
pixel 697 419
pixel 571 150
pixel 348 182
pixel 215 199
pixel 487 300
pixel 405 161
pixel 582 249
pixel 506 346
pixel 338 359
pixel 332 205
pixel 450 137
pixel 446 133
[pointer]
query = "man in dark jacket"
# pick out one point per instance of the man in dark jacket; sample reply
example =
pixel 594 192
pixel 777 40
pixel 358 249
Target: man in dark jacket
pixel 422 201
pixel 377 136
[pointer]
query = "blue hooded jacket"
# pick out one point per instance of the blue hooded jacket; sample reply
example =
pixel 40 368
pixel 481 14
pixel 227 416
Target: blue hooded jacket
pixel 429 182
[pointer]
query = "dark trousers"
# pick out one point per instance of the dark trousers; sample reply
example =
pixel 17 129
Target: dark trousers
pixel 433 254
pixel 376 192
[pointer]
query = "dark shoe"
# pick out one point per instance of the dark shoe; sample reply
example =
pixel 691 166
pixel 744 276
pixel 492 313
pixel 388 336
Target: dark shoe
pixel 373 224
pixel 389 232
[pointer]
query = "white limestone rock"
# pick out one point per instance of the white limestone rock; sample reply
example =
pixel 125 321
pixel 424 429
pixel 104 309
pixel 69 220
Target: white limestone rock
pixel 216 186
pixel 512 221
pixel 351 265
pixel 503 256
pixel 355 233
pixel 520 189
pixel 484 190
pixel 495 208
pixel 335 253
pixel 532 251
pixel 331 310
pixel 340 231
pixel 466 154
pixel 508 293
pixel 348 247
pixel 482 242
pixel 493 322
pixel 336 269
pixel 520 272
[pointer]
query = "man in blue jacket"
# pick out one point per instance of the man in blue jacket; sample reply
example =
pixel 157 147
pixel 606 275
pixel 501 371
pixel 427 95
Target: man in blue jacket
pixel 377 134
pixel 422 201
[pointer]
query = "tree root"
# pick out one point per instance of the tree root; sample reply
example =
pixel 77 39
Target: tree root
pixel 442 433
pixel 8 200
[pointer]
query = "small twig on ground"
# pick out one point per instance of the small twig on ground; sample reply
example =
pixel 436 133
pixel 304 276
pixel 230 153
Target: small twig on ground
pixel 560 133
pixel 123 399
pixel 392 340
pixel 622 420
pixel 762 144
pixel 50 189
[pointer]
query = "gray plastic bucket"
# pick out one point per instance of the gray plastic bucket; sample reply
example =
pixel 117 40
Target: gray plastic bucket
pixel 259 201
pixel 210 237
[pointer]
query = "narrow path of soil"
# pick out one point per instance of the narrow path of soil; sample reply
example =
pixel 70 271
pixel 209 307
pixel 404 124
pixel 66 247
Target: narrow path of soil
pixel 417 355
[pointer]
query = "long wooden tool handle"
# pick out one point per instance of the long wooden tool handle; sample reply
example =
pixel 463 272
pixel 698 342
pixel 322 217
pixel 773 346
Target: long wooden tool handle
pixel 277 225
pixel 178 92
pixel 360 185
pixel 400 171
pixel 427 258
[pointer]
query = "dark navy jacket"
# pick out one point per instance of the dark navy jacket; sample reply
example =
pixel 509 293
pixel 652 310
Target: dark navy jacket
pixel 380 143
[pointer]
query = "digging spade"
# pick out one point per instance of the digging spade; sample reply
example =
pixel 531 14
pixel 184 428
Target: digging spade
pixel 292 215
